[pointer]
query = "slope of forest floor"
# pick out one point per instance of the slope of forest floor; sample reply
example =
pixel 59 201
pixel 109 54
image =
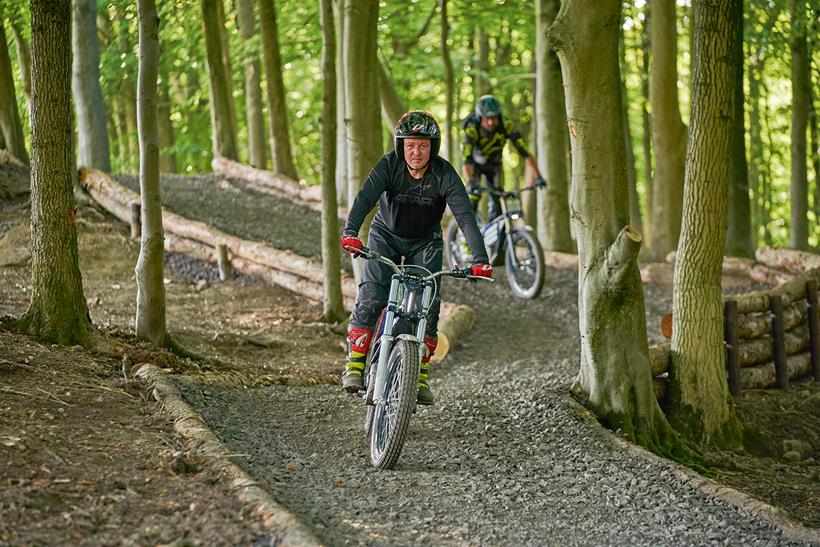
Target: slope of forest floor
pixel 86 459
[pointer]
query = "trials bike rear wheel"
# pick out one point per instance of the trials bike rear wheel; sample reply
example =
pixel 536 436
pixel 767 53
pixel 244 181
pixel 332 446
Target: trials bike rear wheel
pixel 391 417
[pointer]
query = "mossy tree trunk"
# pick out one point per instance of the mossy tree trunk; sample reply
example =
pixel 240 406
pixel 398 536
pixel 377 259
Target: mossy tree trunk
pixel 614 382
pixel 631 172
pixel 253 92
pixel 57 312
pixel 92 121
pixel 333 307
pixel 701 409
pixel 223 126
pixel 552 139
pixel 668 131
pixel 646 126
pixel 363 124
pixel 277 105
pixel 11 130
pixel 150 321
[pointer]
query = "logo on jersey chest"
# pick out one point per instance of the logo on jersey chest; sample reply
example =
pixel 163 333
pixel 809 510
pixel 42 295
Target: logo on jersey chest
pixel 414 198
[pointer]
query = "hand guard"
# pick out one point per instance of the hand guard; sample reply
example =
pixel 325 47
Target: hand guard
pixel 352 244
pixel 481 270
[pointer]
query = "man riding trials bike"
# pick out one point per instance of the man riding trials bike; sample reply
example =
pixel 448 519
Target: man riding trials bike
pixel 412 186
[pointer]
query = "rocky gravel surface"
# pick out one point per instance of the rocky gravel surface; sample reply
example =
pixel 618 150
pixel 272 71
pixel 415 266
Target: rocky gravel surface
pixel 503 458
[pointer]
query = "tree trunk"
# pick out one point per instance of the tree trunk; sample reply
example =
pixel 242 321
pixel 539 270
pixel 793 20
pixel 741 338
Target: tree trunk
pixel 223 130
pixel 277 105
pixel 24 60
pixel 668 131
pixel 631 173
pixel 739 241
pixel 646 125
pixel 57 312
pixel 167 159
pixel 482 79
pixel 11 130
pixel 551 137
pixel 131 129
pixel 342 183
pixel 363 130
pixel 333 307
pixel 614 380
pixel 755 148
pixel 253 90
pixel 92 121
pixel 814 140
pixel 449 86
pixel 700 405
pixel 393 107
pixel 150 321
pixel 799 193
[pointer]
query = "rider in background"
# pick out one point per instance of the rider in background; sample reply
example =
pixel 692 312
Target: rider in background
pixel 485 133
pixel 412 186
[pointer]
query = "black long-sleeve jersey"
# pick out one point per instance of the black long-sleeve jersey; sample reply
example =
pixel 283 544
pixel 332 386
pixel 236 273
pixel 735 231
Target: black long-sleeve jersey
pixel 411 208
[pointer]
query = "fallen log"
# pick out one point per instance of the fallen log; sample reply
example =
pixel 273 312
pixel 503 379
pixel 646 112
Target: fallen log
pixel 762 376
pixel 557 259
pixel 303 273
pixel 267 179
pixel 796 262
pixel 749 268
pixel 454 322
pixel 750 326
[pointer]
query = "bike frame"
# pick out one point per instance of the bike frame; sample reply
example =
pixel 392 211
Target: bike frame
pixel 507 218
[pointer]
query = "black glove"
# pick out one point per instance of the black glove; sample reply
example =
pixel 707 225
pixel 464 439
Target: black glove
pixel 540 182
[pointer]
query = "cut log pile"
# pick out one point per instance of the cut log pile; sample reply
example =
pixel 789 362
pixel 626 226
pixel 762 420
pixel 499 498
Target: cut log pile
pixel 771 337
pixel 281 267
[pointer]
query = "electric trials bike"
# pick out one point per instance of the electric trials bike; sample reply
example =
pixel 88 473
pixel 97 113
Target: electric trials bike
pixel 392 365
pixel 508 241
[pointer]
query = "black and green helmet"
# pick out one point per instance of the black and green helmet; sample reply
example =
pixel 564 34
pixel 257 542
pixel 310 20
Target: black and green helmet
pixel 418 124
pixel 487 106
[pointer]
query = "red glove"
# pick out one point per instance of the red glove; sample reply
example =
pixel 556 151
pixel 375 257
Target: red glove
pixel 352 241
pixel 481 270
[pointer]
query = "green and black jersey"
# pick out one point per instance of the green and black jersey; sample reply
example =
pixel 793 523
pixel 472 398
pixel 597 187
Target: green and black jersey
pixel 411 208
pixel 482 147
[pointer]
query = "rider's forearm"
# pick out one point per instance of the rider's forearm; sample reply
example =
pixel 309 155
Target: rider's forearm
pixel 530 162
pixel 469 171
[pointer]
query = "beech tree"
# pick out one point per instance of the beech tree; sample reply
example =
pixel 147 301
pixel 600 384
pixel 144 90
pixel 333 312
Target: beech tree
pixel 23 60
pixel 551 137
pixel 57 312
pixel 331 260
pixel 150 320
pixel 362 124
pixel 614 381
pixel 392 106
pixel 11 130
pixel 253 92
pixel 668 131
pixel 449 86
pixel 799 188
pixel 700 406
pixel 277 108
pixel 223 118
pixel 92 129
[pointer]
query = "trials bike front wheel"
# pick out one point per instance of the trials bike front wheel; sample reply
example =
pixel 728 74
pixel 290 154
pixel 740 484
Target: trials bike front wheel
pixel 524 264
pixel 391 417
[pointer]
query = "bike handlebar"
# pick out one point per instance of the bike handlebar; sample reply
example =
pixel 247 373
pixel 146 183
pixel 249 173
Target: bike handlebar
pixel 503 193
pixel 459 273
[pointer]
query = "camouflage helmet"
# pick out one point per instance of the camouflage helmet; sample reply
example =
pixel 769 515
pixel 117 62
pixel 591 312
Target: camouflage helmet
pixel 418 124
pixel 487 106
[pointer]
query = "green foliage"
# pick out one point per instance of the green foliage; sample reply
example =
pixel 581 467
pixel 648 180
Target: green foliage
pixel 408 34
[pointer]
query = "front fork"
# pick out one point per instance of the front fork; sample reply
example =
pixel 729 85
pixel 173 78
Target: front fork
pixel 386 340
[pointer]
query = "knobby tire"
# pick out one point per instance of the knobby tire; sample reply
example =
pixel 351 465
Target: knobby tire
pixel 535 255
pixel 391 420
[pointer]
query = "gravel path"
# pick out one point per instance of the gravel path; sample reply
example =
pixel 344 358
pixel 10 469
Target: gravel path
pixel 503 458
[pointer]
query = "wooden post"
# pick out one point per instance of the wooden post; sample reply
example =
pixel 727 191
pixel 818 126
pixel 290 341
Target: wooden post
pixel 781 369
pixel 730 338
pixel 136 220
pixel 223 262
pixel 812 312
